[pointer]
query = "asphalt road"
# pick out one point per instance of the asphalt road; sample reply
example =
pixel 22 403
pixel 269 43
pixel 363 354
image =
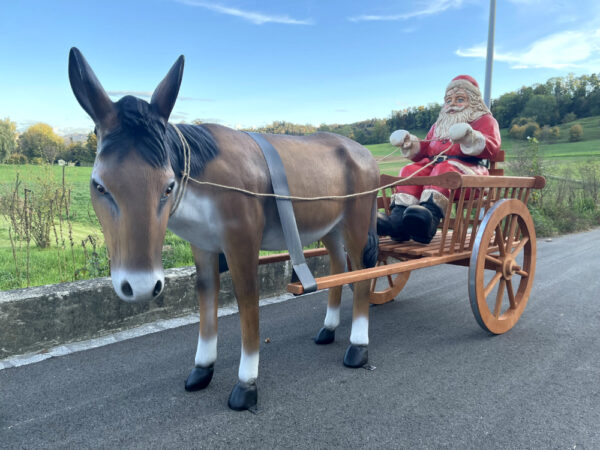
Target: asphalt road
pixel 439 380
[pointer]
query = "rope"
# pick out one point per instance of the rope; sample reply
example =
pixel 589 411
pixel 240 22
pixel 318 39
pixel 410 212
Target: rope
pixel 398 148
pixel 186 176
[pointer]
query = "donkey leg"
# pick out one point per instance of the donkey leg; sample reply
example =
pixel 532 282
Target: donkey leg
pixel 243 266
pixel 337 264
pixel 207 290
pixel 357 352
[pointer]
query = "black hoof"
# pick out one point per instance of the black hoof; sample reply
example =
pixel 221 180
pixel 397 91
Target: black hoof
pixel 356 356
pixel 325 336
pixel 243 396
pixel 199 378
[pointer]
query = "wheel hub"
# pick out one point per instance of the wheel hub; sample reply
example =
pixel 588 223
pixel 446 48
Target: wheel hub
pixel 509 267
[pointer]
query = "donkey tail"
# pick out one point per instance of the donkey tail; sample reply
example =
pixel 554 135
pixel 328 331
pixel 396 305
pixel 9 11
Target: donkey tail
pixel 371 250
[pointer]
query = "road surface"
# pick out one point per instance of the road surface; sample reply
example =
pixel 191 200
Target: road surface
pixel 439 380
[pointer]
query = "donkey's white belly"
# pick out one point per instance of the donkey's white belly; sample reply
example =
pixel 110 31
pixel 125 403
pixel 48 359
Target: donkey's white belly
pixel 273 238
pixel 197 220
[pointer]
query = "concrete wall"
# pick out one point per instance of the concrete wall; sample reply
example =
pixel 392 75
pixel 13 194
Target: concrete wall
pixel 38 318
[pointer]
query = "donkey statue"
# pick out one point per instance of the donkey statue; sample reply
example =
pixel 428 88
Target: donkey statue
pixel 137 190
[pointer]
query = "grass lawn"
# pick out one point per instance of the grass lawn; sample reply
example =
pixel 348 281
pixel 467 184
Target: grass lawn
pixel 66 263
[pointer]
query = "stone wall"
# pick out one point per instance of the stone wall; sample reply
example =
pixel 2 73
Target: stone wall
pixel 38 318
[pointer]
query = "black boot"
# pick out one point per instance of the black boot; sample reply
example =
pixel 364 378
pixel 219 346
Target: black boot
pixel 392 225
pixel 421 221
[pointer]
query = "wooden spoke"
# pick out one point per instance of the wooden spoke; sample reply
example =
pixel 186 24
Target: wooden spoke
pixel 493 260
pixel 522 243
pixel 511 232
pixel 522 273
pixel 499 297
pixel 500 240
pixel 492 284
pixel 511 294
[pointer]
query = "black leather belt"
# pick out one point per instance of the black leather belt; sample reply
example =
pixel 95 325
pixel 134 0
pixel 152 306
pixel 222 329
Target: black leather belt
pixel 286 213
pixel 468 159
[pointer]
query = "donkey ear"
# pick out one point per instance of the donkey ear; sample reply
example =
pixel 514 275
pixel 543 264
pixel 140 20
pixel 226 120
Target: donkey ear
pixel 165 94
pixel 87 89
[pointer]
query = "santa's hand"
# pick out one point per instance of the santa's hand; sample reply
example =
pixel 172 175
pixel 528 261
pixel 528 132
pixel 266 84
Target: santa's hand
pixel 400 138
pixel 459 132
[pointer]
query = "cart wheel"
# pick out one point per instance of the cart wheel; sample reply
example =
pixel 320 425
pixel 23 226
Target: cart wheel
pixel 502 266
pixel 389 286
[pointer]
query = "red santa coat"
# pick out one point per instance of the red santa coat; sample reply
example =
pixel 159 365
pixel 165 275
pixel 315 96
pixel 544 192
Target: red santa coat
pixel 486 125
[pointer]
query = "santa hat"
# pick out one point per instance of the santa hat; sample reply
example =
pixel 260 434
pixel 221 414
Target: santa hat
pixel 464 82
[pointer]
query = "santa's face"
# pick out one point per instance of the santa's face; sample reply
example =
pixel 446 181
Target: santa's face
pixel 456 100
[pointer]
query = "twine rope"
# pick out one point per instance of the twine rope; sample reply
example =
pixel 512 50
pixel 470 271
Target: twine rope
pixel 186 177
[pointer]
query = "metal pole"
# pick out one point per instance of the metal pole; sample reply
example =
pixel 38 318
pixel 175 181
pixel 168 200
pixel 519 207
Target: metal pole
pixel 490 55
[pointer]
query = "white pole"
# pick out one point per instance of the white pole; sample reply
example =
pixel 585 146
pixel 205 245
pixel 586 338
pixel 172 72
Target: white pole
pixel 490 55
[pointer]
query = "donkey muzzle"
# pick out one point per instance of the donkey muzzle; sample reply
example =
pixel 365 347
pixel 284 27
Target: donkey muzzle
pixel 138 286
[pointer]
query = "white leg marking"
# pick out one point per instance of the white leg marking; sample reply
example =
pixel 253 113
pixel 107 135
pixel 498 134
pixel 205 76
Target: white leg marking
pixel 332 318
pixel 206 352
pixel 248 372
pixel 360 331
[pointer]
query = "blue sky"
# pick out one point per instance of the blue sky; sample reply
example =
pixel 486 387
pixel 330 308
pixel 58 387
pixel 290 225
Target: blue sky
pixel 250 62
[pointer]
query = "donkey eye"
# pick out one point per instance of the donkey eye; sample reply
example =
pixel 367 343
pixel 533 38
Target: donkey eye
pixel 101 189
pixel 169 189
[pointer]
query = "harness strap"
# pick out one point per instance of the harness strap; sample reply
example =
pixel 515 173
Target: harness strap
pixel 286 212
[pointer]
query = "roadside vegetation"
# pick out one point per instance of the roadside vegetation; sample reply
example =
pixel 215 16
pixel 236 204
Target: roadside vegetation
pixel 50 234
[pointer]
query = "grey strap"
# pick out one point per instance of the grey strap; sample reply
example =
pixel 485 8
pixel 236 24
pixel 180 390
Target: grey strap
pixel 286 213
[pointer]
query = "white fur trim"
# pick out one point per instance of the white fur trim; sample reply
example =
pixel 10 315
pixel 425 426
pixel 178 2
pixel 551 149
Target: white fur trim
pixel 474 144
pixel 403 199
pixel 463 84
pixel 438 198
pixel 467 170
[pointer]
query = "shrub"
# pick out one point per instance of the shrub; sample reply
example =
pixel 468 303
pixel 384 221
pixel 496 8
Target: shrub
pixel 531 129
pixel 38 161
pixel 575 133
pixel 16 158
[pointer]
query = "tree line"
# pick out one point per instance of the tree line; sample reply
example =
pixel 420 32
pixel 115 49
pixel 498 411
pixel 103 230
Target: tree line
pixel 532 111
pixel 40 144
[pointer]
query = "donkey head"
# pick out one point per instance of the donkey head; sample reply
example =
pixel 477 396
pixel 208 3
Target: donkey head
pixel 132 179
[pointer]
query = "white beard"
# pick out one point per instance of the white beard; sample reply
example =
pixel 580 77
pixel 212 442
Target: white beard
pixel 445 120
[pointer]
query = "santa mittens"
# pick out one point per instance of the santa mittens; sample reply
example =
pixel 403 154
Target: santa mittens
pixel 471 141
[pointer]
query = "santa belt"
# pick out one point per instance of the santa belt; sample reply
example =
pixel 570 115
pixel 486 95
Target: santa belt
pixel 468 159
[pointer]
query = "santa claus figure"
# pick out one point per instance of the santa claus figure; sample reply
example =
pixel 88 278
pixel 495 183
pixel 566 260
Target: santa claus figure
pixel 467 129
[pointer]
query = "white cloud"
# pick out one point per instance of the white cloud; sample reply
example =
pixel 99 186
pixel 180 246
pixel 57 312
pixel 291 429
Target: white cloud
pixel 251 16
pixel 428 8
pixel 563 50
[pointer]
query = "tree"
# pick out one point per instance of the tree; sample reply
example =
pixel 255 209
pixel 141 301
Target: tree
pixel 40 141
pixel 8 138
pixel 543 108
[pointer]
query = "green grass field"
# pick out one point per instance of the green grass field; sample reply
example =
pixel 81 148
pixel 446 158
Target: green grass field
pixel 64 262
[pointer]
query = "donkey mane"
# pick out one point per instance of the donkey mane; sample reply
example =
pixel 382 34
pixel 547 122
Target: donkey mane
pixel 140 126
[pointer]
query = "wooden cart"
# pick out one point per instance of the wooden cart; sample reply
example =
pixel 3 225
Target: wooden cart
pixel 487 228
